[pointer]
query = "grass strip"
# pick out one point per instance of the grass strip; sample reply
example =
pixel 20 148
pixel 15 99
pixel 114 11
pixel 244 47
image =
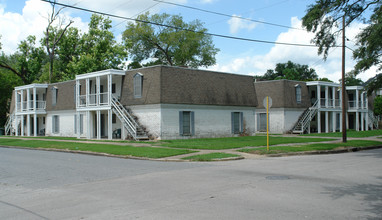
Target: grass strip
pixel 76 139
pixel 235 142
pixel 125 150
pixel 311 147
pixel 210 156
pixel 349 133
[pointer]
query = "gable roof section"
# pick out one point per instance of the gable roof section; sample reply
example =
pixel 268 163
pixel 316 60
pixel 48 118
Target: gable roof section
pixel 283 93
pixel 177 85
pixel 65 96
pixel 201 87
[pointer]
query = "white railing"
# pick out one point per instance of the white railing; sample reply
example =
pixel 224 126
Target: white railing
pixel 306 118
pixel 93 100
pixel 330 104
pixel 128 121
pixel 8 124
pixel 40 105
pixel 374 119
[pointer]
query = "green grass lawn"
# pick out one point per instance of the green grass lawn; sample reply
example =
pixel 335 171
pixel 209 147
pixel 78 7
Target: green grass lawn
pixel 148 152
pixel 210 156
pixel 235 142
pixel 312 147
pixel 349 133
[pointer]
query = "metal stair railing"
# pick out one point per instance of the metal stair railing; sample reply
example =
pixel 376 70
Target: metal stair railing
pixel 8 124
pixel 128 124
pixel 306 118
pixel 374 119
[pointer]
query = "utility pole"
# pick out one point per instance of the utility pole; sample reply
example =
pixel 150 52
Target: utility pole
pixel 343 83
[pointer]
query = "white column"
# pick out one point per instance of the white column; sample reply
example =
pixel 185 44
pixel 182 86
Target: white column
pixel 109 81
pixel 98 90
pixel 22 125
pixel 356 102
pixel 340 121
pixel 362 121
pixel 28 125
pixel 16 103
pixel 78 124
pixel 367 122
pixel 109 124
pixel 35 125
pixel 88 129
pixel 17 125
pixel 34 99
pixel 326 121
pixel 357 120
pixel 347 120
pixel 334 97
pixel 87 91
pixel 326 96
pixel 22 100
pixel 98 124
pixel 362 100
pixel 28 100
pixel 334 121
pixel 77 93
pixel 123 132
pixel 318 121
pixel 319 96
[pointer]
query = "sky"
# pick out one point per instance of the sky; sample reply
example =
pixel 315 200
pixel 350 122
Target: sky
pixel 19 19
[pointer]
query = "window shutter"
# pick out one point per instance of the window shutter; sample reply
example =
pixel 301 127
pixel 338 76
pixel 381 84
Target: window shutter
pixel 181 123
pixel 232 122
pixel 192 125
pixel 241 122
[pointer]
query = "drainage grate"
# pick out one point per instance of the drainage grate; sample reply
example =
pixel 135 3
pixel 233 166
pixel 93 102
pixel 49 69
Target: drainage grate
pixel 277 177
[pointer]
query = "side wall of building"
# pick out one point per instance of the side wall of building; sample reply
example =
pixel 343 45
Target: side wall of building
pixel 281 120
pixel 209 121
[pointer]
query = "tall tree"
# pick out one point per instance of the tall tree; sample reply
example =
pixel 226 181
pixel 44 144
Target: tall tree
pixel 53 35
pixel 97 49
pixel 174 42
pixel 291 71
pixel 323 17
pixel 26 62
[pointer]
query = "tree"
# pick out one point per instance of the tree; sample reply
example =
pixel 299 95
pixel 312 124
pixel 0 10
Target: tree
pixel 291 71
pixel 26 62
pixel 351 79
pixel 378 105
pixel 53 35
pixel 322 18
pixel 97 49
pixel 174 43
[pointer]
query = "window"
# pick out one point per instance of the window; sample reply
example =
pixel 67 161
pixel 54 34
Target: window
pixel 138 82
pixel 54 96
pixel 237 122
pixel 298 93
pixel 55 124
pixel 113 88
pixel 43 120
pixel 262 122
pixel 81 124
pixel 186 123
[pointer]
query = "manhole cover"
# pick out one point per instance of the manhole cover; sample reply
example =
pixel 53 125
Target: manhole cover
pixel 277 177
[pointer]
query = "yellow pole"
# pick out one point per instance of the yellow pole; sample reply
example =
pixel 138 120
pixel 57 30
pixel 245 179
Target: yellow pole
pixel 267 124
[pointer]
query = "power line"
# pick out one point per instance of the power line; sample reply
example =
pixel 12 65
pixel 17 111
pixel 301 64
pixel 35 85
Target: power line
pixel 226 15
pixel 178 28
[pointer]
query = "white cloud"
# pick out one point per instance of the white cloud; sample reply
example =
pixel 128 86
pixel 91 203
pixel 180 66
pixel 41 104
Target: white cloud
pixel 236 24
pixel 15 27
pixel 258 64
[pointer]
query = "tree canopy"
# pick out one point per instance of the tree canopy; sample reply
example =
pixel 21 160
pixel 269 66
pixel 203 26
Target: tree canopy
pixel 185 45
pixel 291 71
pixel 323 17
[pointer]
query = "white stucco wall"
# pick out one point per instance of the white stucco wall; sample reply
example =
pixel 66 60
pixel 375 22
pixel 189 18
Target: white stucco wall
pixel 162 120
pixel 66 123
pixel 281 120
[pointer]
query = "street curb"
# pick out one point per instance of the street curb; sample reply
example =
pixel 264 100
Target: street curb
pixel 346 150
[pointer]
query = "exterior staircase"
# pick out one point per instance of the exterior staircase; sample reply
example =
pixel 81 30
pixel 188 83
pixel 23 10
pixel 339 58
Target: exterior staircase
pixel 306 117
pixel 374 120
pixel 9 129
pixel 129 121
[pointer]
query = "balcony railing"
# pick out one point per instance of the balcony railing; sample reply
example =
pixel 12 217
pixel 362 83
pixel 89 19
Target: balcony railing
pixel 40 105
pixel 336 104
pixel 94 100
pixel 353 105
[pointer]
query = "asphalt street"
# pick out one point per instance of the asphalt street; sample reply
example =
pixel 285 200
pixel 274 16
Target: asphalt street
pixel 55 185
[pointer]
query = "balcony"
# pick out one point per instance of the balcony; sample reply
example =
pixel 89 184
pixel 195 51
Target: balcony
pixel 93 100
pixel 352 105
pixel 331 103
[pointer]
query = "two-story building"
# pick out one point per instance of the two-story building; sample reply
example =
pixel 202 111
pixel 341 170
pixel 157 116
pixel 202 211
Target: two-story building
pixel 163 102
